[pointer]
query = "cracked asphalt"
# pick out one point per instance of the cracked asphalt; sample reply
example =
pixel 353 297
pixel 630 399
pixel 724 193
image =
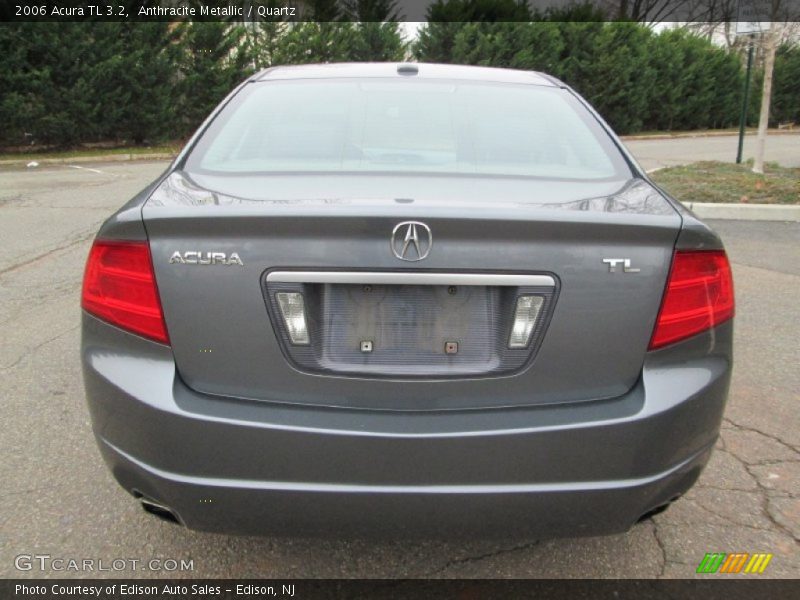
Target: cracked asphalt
pixel 58 498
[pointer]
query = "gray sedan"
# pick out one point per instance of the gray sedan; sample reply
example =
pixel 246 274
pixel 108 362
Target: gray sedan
pixel 406 300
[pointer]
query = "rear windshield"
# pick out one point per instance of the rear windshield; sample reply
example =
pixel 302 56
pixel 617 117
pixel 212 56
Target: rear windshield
pixel 404 125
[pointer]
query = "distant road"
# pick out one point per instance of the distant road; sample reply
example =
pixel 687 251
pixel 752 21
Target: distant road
pixel 654 154
pixel 651 153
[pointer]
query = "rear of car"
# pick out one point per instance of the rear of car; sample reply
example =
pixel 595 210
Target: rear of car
pixel 417 300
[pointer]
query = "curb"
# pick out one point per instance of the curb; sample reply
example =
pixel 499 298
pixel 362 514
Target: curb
pixel 689 134
pixel 22 162
pixel 745 212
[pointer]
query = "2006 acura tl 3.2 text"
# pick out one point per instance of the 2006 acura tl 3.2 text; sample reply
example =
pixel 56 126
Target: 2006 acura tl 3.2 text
pixel 422 300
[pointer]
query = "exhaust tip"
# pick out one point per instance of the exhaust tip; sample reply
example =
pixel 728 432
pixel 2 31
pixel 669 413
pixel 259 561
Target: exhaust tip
pixel 657 510
pixel 157 509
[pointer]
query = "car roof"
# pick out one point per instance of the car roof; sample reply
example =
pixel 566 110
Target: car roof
pixel 393 69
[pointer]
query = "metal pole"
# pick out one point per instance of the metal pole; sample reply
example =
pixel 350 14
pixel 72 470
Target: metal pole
pixel 743 117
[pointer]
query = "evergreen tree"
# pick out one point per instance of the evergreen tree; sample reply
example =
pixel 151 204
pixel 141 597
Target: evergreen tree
pixel 313 42
pixel 436 41
pixel 587 11
pixel 724 79
pixel 446 18
pixel 618 80
pixel 70 83
pixel 540 47
pixel 324 11
pixel 214 59
pixel 693 110
pixel 45 91
pixel 533 46
pixel 579 48
pixel 377 31
pixel 19 107
pixel 133 82
pixel 786 82
pixel 667 58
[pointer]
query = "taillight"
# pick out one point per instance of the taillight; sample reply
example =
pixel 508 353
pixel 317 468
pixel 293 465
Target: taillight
pixel 119 287
pixel 699 296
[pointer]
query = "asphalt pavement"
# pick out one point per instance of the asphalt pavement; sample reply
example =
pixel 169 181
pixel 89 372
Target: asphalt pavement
pixel 58 498
pixel 659 153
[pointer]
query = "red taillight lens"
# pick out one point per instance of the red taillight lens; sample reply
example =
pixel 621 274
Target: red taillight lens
pixel 699 296
pixel 119 287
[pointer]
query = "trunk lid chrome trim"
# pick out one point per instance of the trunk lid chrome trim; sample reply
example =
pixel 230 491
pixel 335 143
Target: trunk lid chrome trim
pixel 409 278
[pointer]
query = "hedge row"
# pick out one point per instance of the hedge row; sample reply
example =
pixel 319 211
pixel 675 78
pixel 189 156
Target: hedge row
pixel 86 82
pixel 637 79
pixel 145 82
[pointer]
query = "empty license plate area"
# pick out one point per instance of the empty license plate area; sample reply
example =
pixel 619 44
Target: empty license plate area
pixel 410 324
pixel 409 329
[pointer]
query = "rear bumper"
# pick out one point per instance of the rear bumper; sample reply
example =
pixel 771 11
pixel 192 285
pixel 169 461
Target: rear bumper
pixel 319 509
pixel 246 467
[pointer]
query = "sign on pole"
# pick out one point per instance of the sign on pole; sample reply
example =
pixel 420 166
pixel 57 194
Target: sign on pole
pixel 753 16
pixel 751 27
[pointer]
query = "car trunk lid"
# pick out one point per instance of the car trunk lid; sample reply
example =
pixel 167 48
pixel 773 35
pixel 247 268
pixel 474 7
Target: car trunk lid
pixel 227 332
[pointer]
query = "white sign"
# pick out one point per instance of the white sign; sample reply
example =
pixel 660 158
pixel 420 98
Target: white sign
pixel 750 28
pixel 753 16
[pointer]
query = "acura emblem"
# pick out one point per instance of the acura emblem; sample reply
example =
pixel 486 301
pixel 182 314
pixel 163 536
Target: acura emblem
pixel 411 240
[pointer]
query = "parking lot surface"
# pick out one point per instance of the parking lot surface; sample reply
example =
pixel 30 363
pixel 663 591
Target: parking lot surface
pixel 659 153
pixel 59 499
